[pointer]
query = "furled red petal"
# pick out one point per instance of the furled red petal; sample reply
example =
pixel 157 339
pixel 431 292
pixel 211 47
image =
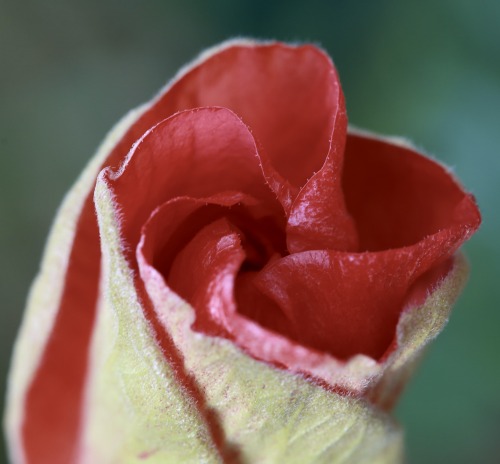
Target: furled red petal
pixel 196 153
pixel 197 244
pixel 318 218
pixel 348 303
pixel 211 260
pixel 297 114
pixel 397 197
pixel 345 303
pixel 288 96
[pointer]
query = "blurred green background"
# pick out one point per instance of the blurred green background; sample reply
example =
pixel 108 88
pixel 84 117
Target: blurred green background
pixel 428 70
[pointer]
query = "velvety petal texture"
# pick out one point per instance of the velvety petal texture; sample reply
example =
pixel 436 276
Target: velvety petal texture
pixel 236 277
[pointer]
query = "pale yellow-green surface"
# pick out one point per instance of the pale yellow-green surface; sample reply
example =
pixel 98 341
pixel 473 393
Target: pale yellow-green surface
pixel 134 407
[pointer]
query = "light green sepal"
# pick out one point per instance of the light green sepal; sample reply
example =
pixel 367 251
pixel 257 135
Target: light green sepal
pixel 135 410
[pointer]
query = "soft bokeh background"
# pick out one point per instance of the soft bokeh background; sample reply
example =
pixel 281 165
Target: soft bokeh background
pixel 429 70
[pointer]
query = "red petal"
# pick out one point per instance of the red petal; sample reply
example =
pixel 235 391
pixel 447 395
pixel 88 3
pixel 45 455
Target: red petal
pixel 319 218
pixel 184 240
pixel 397 196
pixel 403 203
pixel 194 153
pixel 203 273
pixel 348 303
pixel 332 301
pixel 287 95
